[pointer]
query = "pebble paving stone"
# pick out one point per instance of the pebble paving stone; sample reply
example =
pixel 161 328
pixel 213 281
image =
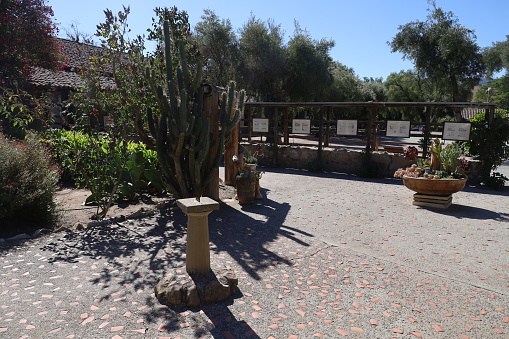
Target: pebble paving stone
pixel 322 256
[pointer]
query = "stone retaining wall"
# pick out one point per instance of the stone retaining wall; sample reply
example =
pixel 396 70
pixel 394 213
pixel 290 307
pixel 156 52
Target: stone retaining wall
pixel 333 159
pixel 337 159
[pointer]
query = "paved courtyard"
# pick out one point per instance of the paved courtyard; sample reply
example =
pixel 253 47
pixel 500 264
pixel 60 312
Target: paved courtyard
pixel 322 256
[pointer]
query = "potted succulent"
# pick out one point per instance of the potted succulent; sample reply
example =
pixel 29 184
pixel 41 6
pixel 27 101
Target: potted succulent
pixel 251 158
pixel 444 176
pixel 247 180
pixel 251 161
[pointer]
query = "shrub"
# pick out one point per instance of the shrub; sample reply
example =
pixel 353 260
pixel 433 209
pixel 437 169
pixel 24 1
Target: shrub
pixel 369 167
pixel 28 180
pixel 84 156
pixel 490 144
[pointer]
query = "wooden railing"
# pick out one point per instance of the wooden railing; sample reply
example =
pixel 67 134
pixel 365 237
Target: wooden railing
pixel 323 132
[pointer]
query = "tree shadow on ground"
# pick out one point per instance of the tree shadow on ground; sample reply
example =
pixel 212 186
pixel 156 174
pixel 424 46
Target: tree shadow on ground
pixel 244 237
pixel 219 321
pixel 468 212
pixel 136 254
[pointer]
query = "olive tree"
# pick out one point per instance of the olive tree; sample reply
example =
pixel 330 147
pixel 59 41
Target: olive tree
pixel 263 60
pixel 310 66
pixel 218 47
pixel 497 57
pixel 442 50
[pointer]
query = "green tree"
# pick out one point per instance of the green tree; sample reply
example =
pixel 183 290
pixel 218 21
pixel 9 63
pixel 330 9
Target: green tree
pixel 489 143
pixel 161 96
pixel 497 57
pixel 372 89
pixel 27 38
pixel 496 92
pixel 127 100
pixel 180 30
pixel 310 67
pixel 218 47
pixel 345 85
pixel 497 60
pixel 443 51
pixel 263 60
pixel 409 86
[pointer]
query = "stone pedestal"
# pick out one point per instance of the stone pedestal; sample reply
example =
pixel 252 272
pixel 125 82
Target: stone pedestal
pixel 197 249
pixel 199 284
pixel 193 290
pixel 429 200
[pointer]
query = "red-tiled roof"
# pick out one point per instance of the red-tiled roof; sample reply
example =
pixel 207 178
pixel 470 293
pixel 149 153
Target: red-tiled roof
pixel 76 58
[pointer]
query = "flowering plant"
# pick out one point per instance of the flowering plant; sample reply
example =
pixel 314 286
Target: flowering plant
pixel 28 181
pixel 445 164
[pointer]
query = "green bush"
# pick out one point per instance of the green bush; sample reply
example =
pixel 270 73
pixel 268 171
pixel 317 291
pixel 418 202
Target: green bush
pixel 28 181
pixel 489 143
pixel 92 158
pixel 142 173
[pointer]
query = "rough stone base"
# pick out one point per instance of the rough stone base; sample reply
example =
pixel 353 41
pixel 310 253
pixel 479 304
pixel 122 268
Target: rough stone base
pixel 193 290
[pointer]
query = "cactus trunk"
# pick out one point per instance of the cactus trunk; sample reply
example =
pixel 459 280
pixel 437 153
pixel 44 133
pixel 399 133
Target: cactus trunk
pixel 189 154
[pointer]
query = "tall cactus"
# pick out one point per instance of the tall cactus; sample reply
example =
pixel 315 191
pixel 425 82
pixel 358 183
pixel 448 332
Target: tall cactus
pixel 182 132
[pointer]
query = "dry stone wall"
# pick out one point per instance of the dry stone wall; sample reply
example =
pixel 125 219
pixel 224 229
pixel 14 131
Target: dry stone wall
pixel 333 159
pixel 341 160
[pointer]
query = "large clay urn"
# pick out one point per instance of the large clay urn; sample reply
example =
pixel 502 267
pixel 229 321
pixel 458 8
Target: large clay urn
pixel 434 186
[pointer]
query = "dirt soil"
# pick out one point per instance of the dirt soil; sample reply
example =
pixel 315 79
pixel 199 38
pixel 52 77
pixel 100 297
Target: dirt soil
pixel 71 204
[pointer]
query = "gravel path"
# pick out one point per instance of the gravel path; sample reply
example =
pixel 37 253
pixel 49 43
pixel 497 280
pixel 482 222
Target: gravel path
pixel 322 256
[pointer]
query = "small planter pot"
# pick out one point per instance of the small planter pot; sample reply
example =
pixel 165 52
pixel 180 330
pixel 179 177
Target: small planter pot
pixel 246 190
pixel 251 167
pixel 435 186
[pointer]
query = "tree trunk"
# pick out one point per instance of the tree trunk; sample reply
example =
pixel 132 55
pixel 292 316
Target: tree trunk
pixel 456 97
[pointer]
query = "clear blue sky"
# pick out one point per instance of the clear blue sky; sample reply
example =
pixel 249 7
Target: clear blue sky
pixel 360 29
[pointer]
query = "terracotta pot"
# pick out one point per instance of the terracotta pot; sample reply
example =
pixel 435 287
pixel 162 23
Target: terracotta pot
pixel 434 186
pixel 246 191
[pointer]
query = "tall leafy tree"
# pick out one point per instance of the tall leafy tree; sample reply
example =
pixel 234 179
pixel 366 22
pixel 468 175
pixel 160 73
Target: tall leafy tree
pixel 496 92
pixel 263 61
pixel 410 86
pixel 497 60
pixel 497 57
pixel 180 30
pixel 310 66
pixel 124 59
pixel 372 89
pixel 27 38
pixel 345 85
pixel 218 46
pixel 442 50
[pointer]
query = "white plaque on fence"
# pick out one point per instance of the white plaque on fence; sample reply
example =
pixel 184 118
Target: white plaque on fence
pixel 347 127
pixel 459 131
pixel 398 128
pixel 301 126
pixel 261 125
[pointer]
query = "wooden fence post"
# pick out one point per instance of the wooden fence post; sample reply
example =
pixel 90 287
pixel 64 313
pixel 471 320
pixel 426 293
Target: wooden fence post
pixel 369 129
pixel 426 131
pixel 490 112
pixel 327 127
pixel 285 128
pixel 276 135
pixel 231 149
pixel 320 138
pixel 249 123
pixel 211 107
